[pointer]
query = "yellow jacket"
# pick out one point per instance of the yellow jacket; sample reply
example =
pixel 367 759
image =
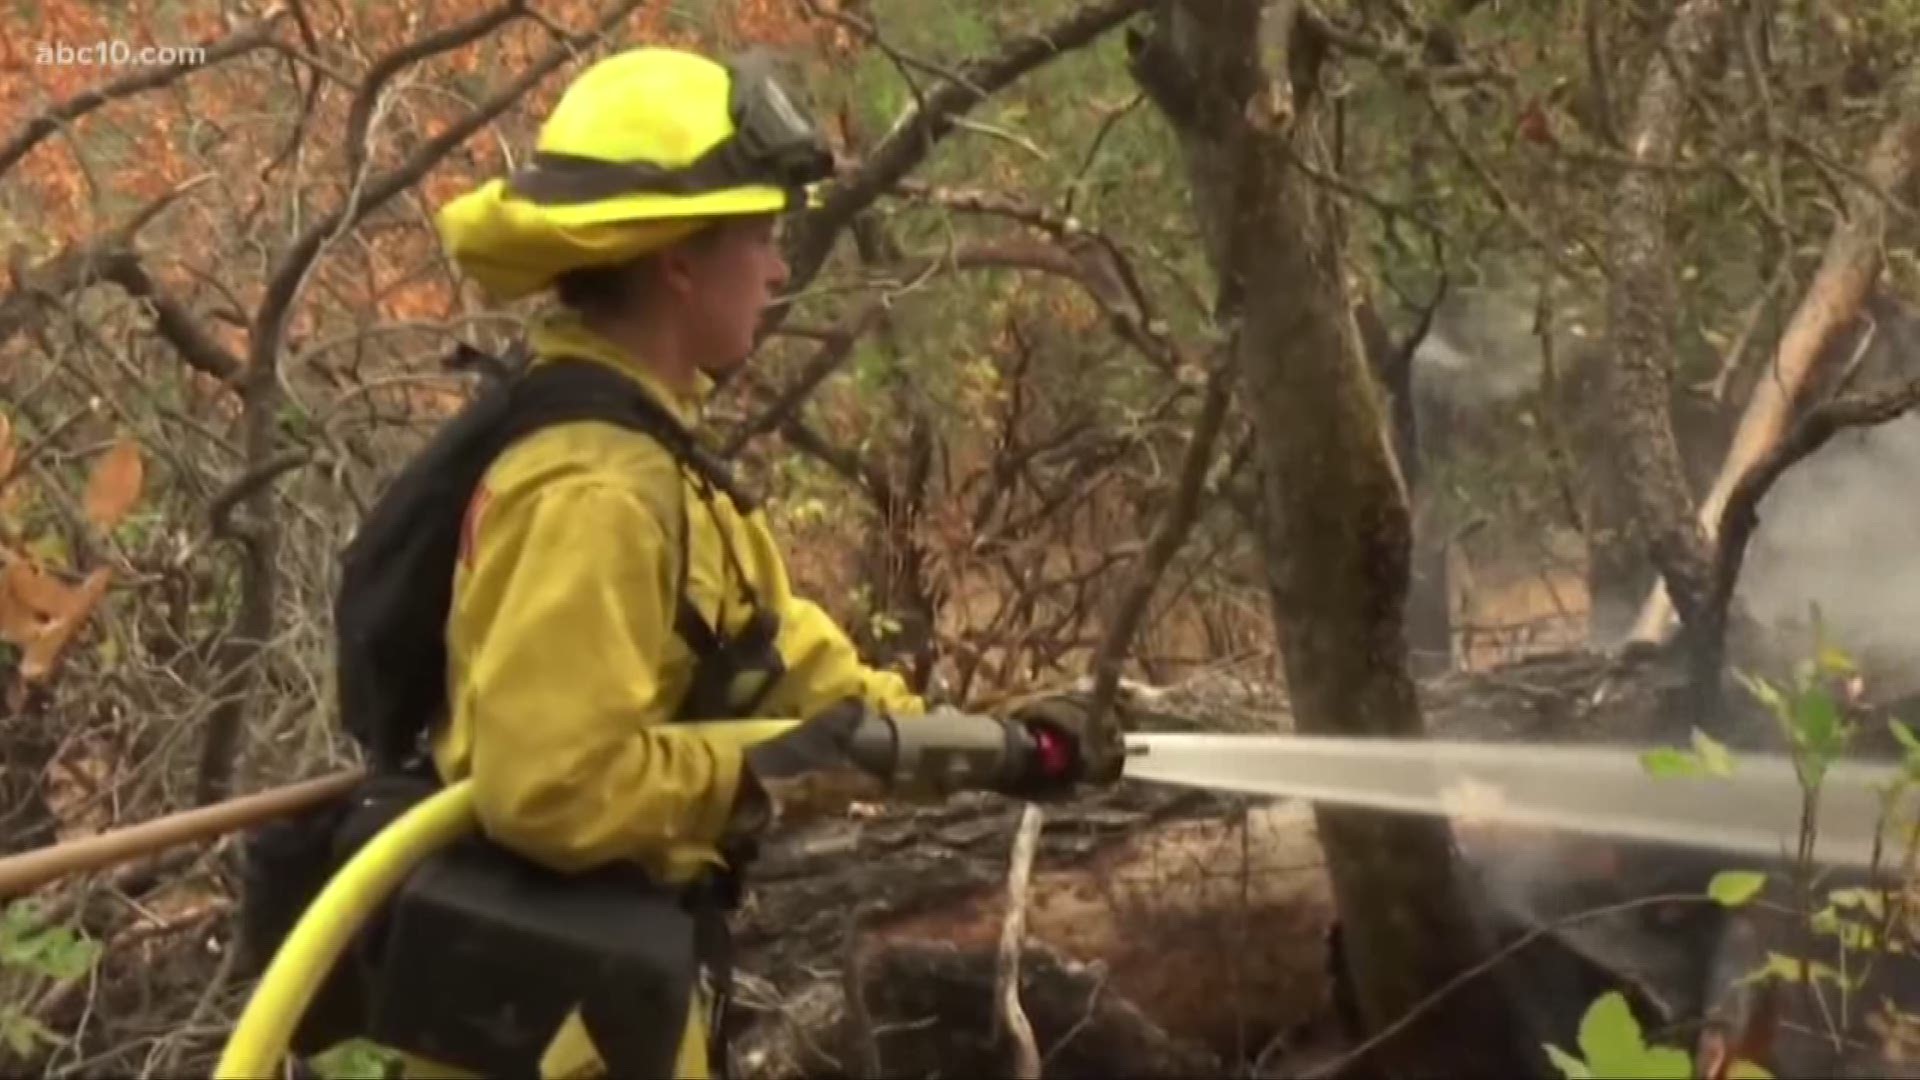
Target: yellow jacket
pixel 564 664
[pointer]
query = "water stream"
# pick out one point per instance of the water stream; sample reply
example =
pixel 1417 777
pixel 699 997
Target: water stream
pixel 1597 790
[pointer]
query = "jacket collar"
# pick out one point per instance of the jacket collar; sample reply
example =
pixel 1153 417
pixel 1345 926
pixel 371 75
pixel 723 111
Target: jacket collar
pixel 562 333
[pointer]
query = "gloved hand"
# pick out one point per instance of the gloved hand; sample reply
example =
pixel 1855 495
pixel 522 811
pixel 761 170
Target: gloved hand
pixel 810 771
pixel 1069 754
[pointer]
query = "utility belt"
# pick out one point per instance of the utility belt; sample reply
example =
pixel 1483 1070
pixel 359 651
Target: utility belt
pixel 478 958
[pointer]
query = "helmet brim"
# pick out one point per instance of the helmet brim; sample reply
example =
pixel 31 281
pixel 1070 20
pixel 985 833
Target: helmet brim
pixel 648 206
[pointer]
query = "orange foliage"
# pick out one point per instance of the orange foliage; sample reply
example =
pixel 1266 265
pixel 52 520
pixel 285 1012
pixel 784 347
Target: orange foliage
pixel 39 612
pixel 115 485
pixel 228 121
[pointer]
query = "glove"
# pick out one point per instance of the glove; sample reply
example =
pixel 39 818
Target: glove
pixel 811 770
pixel 1066 753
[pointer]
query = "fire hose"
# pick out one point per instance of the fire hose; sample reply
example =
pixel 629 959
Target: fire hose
pixel 943 752
pixel 1753 810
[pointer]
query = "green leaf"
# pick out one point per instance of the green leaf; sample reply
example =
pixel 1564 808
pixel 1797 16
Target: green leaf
pixel 1872 900
pixel 1609 1035
pixel 1906 738
pixel 1903 733
pixel 1747 1070
pixel 1663 1063
pixel 1570 1067
pixel 1766 693
pixel 1787 969
pixel 355 1059
pixel 1817 717
pixel 1669 762
pixel 58 952
pixel 67 955
pixel 1732 888
pixel 1713 755
pixel 1832 661
pixel 23 1034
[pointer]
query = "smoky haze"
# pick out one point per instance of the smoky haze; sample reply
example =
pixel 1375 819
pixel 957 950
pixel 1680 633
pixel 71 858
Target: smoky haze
pixel 1841 530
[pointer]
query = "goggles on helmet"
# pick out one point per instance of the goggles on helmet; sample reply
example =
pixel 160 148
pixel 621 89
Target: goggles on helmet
pixel 773 143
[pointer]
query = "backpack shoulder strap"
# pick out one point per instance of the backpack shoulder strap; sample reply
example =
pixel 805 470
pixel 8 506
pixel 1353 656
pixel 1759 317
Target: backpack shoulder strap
pixel 566 389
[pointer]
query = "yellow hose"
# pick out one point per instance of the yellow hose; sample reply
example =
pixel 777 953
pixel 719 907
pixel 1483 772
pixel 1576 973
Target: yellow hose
pixel 260 1039
pixel 259 1042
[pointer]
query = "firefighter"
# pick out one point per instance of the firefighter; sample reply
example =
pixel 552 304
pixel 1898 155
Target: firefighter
pixel 603 590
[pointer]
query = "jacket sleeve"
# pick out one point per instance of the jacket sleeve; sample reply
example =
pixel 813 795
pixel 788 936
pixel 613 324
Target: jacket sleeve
pixel 823 666
pixel 569 608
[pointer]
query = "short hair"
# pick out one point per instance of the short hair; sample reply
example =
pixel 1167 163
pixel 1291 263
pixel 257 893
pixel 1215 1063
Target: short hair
pixel 597 289
pixel 592 288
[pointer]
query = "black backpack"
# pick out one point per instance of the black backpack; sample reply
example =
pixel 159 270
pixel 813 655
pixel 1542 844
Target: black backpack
pixel 391 610
pixel 396 585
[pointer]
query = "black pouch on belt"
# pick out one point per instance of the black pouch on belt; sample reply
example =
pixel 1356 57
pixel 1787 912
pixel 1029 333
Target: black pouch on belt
pixel 484 953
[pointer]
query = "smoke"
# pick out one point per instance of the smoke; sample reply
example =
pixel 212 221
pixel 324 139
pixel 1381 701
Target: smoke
pixel 1479 354
pixel 1841 530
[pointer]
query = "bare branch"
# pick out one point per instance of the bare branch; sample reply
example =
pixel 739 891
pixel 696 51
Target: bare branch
pixel 172 320
pixel 1397 57
pixel 1107 275
pixel 901 59
pixel 1168 538
pixel 1503 199
pixel 838 344
pixel 1013 934
pixel 257 36
pixel 291 271
pixel 112 258
pixel 360 113
pixel 1107 126
pixel 826 360
pixel 260 389
pixel 914 138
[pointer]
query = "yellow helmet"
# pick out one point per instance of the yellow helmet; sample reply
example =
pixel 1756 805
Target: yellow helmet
pixel 642 148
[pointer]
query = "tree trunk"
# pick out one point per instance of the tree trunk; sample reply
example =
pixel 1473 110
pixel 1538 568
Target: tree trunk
pixel 1642 318
pixel 1429 617
pixel 1338 544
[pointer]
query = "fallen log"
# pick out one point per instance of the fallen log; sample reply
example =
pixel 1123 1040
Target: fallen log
pixel 1212 914
pixel 1207 920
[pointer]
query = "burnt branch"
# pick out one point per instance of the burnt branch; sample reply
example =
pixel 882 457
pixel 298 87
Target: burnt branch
pixel 1849 264
pixel 914 138
pixel 1742 515
pixel 258 36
